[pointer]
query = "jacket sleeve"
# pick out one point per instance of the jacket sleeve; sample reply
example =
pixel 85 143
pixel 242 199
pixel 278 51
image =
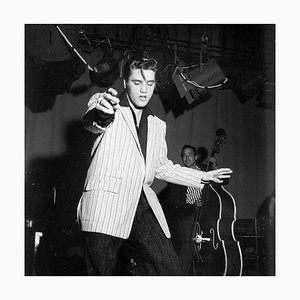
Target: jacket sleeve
pixel 174 173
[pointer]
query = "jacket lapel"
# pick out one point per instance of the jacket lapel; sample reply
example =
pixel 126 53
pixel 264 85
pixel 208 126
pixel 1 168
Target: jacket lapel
pixel 127 115
pixel 151 141
pixel 151 134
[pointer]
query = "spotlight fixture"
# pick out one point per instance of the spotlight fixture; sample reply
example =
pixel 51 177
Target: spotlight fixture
pixel 209 75
pixel 202 78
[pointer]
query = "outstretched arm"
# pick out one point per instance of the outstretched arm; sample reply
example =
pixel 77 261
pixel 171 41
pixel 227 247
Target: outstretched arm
pixel 174 173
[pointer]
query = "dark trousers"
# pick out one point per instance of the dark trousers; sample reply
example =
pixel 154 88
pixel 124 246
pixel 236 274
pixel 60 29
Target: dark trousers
pixel 187 243
pixel 148 246
pixel 181 223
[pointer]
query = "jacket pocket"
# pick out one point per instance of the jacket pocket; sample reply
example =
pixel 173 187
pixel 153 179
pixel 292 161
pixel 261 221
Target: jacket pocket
pixel 109 184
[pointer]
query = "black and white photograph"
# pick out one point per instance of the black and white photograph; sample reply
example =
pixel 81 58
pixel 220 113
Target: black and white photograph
pixel 150 149
pixel 150 155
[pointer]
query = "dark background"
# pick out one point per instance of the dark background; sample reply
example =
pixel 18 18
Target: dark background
pixel 58 86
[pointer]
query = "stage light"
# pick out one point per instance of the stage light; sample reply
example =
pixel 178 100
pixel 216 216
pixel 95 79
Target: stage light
pixel 210 75
pixel 202 79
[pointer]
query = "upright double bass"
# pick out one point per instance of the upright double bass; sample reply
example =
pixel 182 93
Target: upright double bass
pixel 216 250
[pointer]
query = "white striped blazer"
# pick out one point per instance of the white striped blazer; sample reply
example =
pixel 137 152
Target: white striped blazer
pixel 118 173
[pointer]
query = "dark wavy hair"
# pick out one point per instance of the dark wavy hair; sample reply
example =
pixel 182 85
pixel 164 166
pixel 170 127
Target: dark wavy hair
pixel 139 63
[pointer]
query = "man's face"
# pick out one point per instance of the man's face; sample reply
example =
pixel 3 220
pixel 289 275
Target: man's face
pixel 140 87
pixel 189 158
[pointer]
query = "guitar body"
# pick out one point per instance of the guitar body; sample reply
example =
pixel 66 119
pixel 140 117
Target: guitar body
pixel 218 253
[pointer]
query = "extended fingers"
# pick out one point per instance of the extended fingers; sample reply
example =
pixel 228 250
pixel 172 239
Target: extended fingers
pixel 217 175
pixel 224 170
pixel 222 174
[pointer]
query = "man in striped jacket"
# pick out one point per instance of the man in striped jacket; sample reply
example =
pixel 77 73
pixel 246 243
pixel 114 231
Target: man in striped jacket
pixel 118 208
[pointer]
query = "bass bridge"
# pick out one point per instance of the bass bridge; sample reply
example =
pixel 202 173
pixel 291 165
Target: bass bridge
pixel 199 239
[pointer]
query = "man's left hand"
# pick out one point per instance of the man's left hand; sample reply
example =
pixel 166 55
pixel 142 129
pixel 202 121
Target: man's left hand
pixel 217 175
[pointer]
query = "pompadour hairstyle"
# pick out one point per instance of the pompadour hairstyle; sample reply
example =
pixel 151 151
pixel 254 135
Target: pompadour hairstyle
pixel 139 63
